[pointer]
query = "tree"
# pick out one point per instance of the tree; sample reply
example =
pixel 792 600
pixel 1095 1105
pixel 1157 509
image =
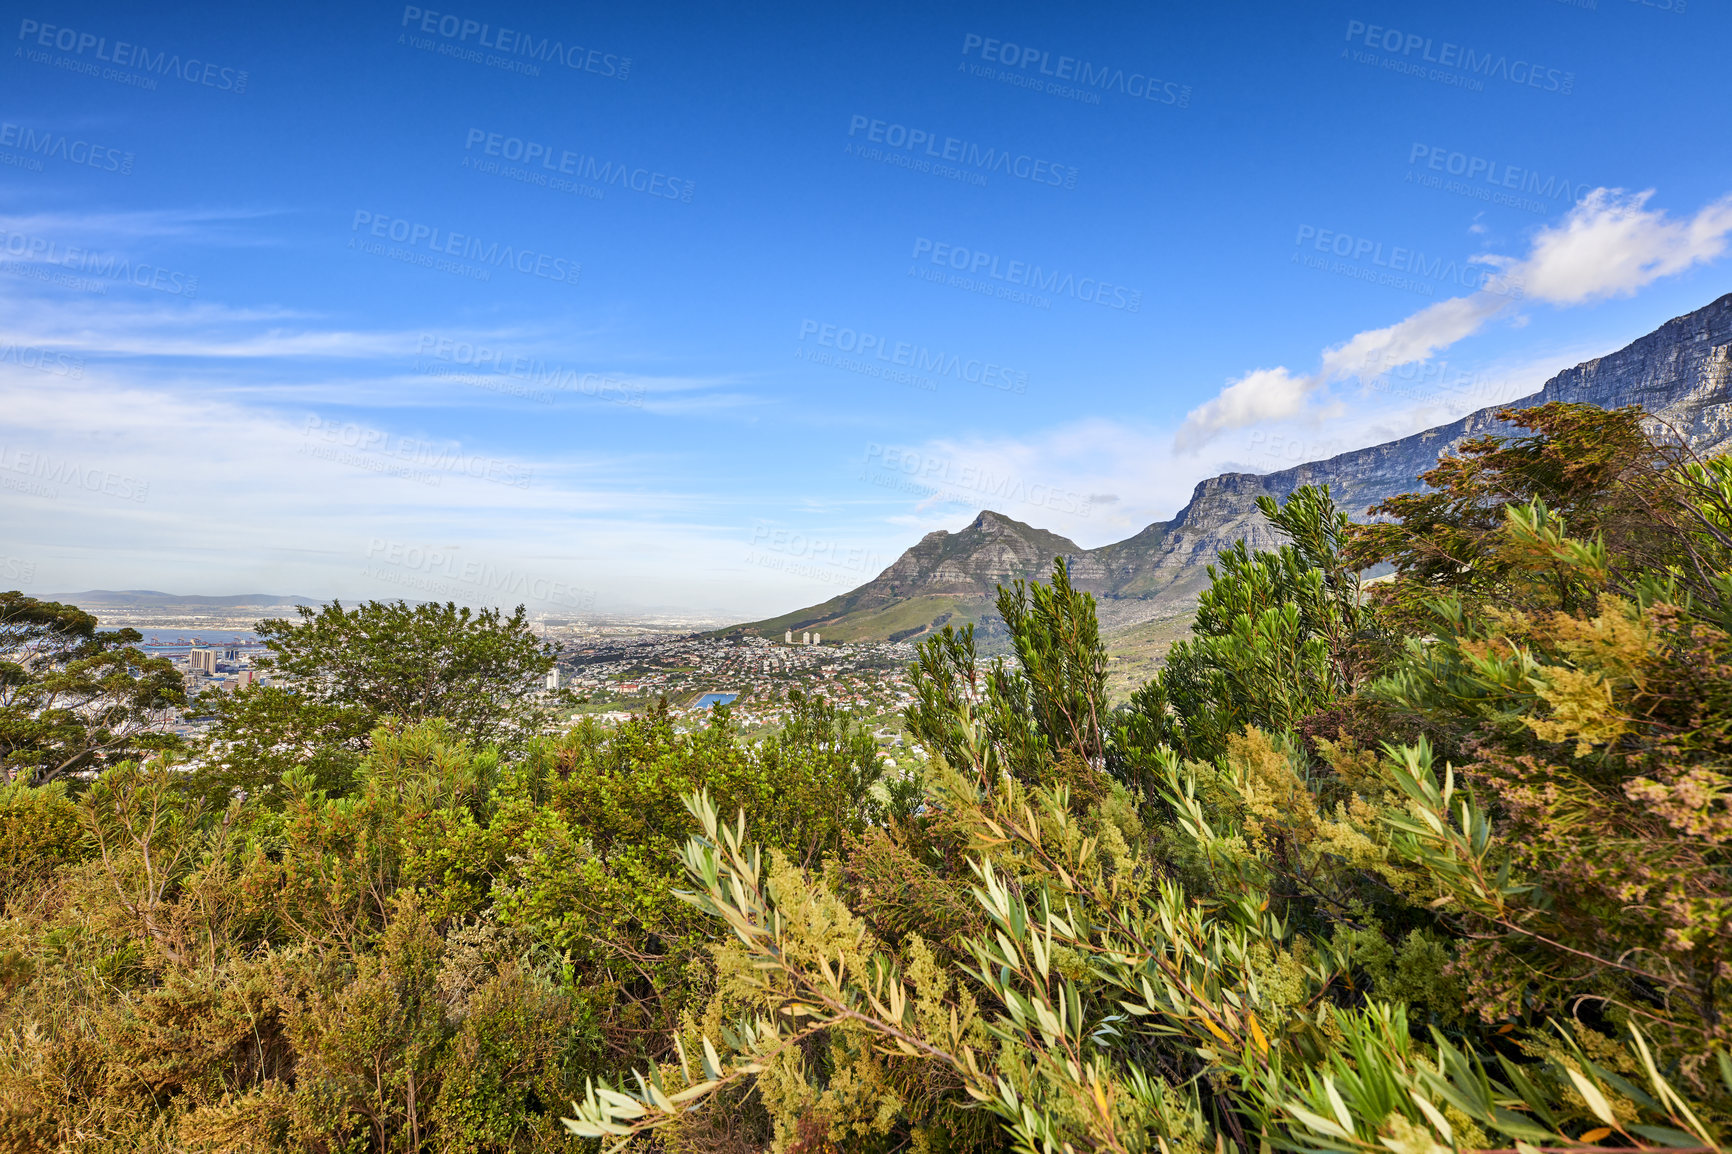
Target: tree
pixel 1278 635
pixel 263 732
pixel 1060 660
pixel 1042 714
pixel 1597 469
pixel 72 697
pixel 1585 854
pixel 482 672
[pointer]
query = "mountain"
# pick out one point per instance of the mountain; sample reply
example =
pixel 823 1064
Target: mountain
pixel 1680 373
pixel 947 578
pixel 145 599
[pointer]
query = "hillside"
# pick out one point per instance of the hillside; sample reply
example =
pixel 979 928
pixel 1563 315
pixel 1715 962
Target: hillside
pixel 946 578
pixel 1679 373
pixel 148 599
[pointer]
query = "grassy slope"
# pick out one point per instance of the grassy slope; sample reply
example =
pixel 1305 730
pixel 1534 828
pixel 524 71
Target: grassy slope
pixel 875 624
pixel 1135 654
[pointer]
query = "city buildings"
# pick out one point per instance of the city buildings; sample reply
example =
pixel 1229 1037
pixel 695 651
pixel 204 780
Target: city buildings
pixel 867 679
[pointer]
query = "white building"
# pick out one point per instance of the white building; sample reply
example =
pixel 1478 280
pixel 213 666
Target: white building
pixel 201 661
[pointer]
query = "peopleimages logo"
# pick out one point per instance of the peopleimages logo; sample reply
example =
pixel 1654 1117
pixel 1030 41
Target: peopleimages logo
pixel 1474 275
pixel 122 54
pixel 943 477
pixel 104 265
pixel 374 448
pixel 58 146
pixel 41 359
pixel 442 241
pixel 564 162
pixel 917 358
pixel 1446 55
pixel 816 549
pixel 74 475
pixel 473 363
pixel 983 158
pixel 976 263
pixel 1504 183
pixel 460 31
pixel 433 570
pixel 1137 85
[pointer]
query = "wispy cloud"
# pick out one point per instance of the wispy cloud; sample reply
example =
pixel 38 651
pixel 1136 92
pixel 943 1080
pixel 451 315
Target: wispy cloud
pixel 1612 244
pixel 1259 395
pixel 210 225
pixel 275 352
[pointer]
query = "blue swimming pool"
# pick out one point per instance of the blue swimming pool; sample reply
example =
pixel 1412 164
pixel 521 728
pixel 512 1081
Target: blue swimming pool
pixel 710 699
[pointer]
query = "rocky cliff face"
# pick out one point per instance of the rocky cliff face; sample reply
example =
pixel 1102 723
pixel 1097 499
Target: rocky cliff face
pixel 1681 373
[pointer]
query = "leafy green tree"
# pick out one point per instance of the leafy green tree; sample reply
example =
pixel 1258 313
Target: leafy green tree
pixel 1593 802
pixel 1278 635
pixel 481 671
pixel 1102 1013
pixel 33 629
pixel 1656 509
pixel 39 833
pixel 72 697
pixel 260 733
pixel 1060 660
pixel 597 856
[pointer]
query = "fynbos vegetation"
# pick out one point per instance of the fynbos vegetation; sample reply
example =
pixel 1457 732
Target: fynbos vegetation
pixel 1435 861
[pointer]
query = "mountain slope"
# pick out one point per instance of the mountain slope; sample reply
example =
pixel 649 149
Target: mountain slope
pixel 151 599
pixel 947 578
pixel 1680 373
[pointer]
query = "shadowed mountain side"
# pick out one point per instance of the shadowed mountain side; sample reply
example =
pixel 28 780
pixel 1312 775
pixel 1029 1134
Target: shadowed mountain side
pixel 1679 373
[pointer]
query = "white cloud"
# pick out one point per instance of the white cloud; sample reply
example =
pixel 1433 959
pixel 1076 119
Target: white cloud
pixel 1412 340
pixel 1609 244
pixel 1260 395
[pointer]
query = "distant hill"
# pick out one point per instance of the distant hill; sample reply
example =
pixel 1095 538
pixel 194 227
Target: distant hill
pixel 147 599
pixel 1679 373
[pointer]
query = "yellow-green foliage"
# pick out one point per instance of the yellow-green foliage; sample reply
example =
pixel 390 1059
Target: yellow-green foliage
pixel 430 959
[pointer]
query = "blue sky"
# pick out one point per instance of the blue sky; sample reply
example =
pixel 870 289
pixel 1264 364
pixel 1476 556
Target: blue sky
pixel 683 309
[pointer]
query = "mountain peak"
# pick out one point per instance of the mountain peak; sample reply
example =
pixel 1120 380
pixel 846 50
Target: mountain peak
pixel 991 521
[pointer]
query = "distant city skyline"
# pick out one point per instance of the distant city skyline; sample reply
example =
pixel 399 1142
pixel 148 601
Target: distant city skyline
pixel 673 311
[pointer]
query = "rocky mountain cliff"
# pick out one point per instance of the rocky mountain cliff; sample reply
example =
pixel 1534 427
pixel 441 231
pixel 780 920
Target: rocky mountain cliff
pixel 1681 373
